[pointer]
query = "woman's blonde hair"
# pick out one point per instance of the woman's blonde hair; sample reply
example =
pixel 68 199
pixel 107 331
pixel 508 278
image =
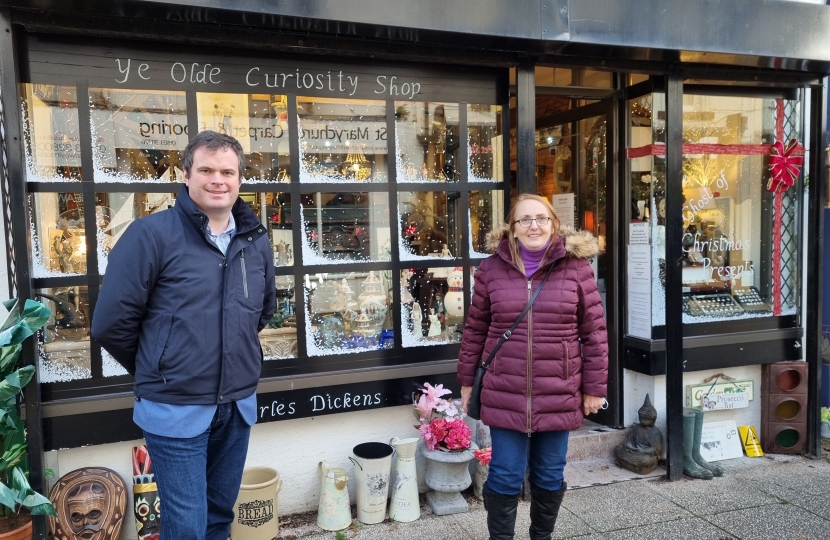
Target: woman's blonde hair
pixel 511 224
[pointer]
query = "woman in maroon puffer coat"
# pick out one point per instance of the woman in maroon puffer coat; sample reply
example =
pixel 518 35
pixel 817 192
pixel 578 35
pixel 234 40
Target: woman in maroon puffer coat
pixel 552 370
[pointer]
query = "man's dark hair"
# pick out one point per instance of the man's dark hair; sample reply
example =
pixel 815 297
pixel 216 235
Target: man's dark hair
pixel 213 141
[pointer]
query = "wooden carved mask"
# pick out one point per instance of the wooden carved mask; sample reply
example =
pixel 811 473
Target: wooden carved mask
pixel 90 503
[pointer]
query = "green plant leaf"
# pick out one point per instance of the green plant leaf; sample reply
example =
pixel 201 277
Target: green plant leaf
pixel 8 497
pixel 35 314
pixel 14 314
pixel 15 382
pixel 8 359
pixel 38 505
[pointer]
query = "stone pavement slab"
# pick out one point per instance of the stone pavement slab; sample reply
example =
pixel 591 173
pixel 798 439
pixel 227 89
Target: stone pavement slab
pixel 773 522
pixel 623 505
pixel 704 497
pixel 687 528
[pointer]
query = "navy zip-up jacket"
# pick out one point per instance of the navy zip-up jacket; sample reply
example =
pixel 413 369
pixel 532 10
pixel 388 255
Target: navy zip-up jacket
pixel 182 318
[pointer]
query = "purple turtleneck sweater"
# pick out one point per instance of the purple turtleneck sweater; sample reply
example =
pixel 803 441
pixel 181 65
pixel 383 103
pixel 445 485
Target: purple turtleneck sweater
pixel 532 258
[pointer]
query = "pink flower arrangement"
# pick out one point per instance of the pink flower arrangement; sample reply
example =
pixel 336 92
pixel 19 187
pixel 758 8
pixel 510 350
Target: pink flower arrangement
pixel 442 423
pixel 484 455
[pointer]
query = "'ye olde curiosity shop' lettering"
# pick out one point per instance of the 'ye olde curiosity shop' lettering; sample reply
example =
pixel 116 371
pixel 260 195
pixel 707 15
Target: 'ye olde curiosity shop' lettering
pixel 700 244
pixel 257 77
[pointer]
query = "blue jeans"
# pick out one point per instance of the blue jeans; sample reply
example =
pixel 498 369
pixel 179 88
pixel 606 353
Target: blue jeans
pixel 198 479
pixel 513 451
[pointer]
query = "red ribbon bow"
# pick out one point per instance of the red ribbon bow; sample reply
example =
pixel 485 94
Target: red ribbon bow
pixel 784 165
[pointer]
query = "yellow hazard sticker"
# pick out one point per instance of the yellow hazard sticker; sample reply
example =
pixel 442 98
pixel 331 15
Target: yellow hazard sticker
pixel 752 446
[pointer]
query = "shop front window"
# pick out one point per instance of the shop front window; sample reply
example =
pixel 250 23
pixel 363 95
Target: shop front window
pixel 342 141
pixel 432 305
pixel 138 135
pixel 259 122
pixel 50 130
pixel 486 143
pixel 429 224
pixel 739 245
pixel 58 236
pixel 427 142
pixel 63 343
pixel 345 227
pixel 349 313
pixel 486 214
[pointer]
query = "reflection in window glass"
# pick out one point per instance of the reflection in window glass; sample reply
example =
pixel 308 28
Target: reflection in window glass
pixel 138 135
pixel 345 227
pixel 429 223
pixel 349 313
pixel 342 140
pixel 58 237
pixel 486 214
pixel 50 131
pixel 279 337
pixel 259 122
pixel 432 305
pixel 63 344
pixel 427 141
pixel 121 209
pixel 485 143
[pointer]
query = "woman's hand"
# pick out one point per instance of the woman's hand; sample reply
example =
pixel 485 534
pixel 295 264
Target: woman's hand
pixel 590 404
pixel 466 392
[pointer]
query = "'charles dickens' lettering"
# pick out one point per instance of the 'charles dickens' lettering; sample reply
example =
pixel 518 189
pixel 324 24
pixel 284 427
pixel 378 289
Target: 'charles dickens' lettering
pixel 346 401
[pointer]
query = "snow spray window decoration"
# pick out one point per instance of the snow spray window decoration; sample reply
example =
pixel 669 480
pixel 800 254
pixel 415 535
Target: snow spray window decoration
pixel 345 227
pixel 486 212
pixel 427 141
pixel 58 233
pixel 432 305
pixel 50 131
pixel 731 262
pixel 342 140
pixel 260 123
pixel 63 344
pixel 138 135
pixel 123 209
pixel 348 312
pixel 429 224
pixel 485 143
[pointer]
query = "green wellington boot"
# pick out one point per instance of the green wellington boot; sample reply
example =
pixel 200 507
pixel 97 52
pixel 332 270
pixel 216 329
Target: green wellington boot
pixel 690 434
pixel 716 470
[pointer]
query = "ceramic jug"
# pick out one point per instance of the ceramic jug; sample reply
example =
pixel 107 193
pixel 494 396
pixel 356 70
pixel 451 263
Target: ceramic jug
pixel 372 464
pixel 404 504
pixel 256 512
pixel 334 512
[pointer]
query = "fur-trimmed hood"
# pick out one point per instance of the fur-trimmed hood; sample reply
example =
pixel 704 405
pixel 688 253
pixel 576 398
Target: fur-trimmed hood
pixel 578 244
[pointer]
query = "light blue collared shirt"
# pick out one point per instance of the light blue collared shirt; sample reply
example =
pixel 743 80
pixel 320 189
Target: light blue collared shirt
pixel 187 421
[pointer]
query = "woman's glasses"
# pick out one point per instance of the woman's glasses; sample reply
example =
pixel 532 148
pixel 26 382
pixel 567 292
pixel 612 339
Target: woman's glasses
pixel 541 221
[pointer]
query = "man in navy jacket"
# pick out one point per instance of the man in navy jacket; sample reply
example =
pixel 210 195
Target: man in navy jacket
pixel 186 292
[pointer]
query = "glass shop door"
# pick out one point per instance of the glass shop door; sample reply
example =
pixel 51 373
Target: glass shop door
pixel 571 173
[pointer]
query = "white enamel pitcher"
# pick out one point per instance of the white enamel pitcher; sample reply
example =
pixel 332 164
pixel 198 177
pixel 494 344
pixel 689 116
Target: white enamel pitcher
pixel 404 504
pixel 372 464
pixel 334 512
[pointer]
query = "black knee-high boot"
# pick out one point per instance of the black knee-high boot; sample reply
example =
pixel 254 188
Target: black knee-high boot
pixel 501 514
pixel 544 509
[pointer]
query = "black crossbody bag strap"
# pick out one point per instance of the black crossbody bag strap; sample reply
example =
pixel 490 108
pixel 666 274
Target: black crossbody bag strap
pixel 507 334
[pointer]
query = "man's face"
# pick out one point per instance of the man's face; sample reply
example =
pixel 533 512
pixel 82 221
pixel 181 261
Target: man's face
pixel 213 180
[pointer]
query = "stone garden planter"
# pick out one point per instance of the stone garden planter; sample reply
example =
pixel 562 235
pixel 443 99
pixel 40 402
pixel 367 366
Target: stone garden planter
pixel 448 474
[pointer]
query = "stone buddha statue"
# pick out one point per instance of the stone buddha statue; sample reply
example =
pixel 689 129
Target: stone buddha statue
pixel 641 450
